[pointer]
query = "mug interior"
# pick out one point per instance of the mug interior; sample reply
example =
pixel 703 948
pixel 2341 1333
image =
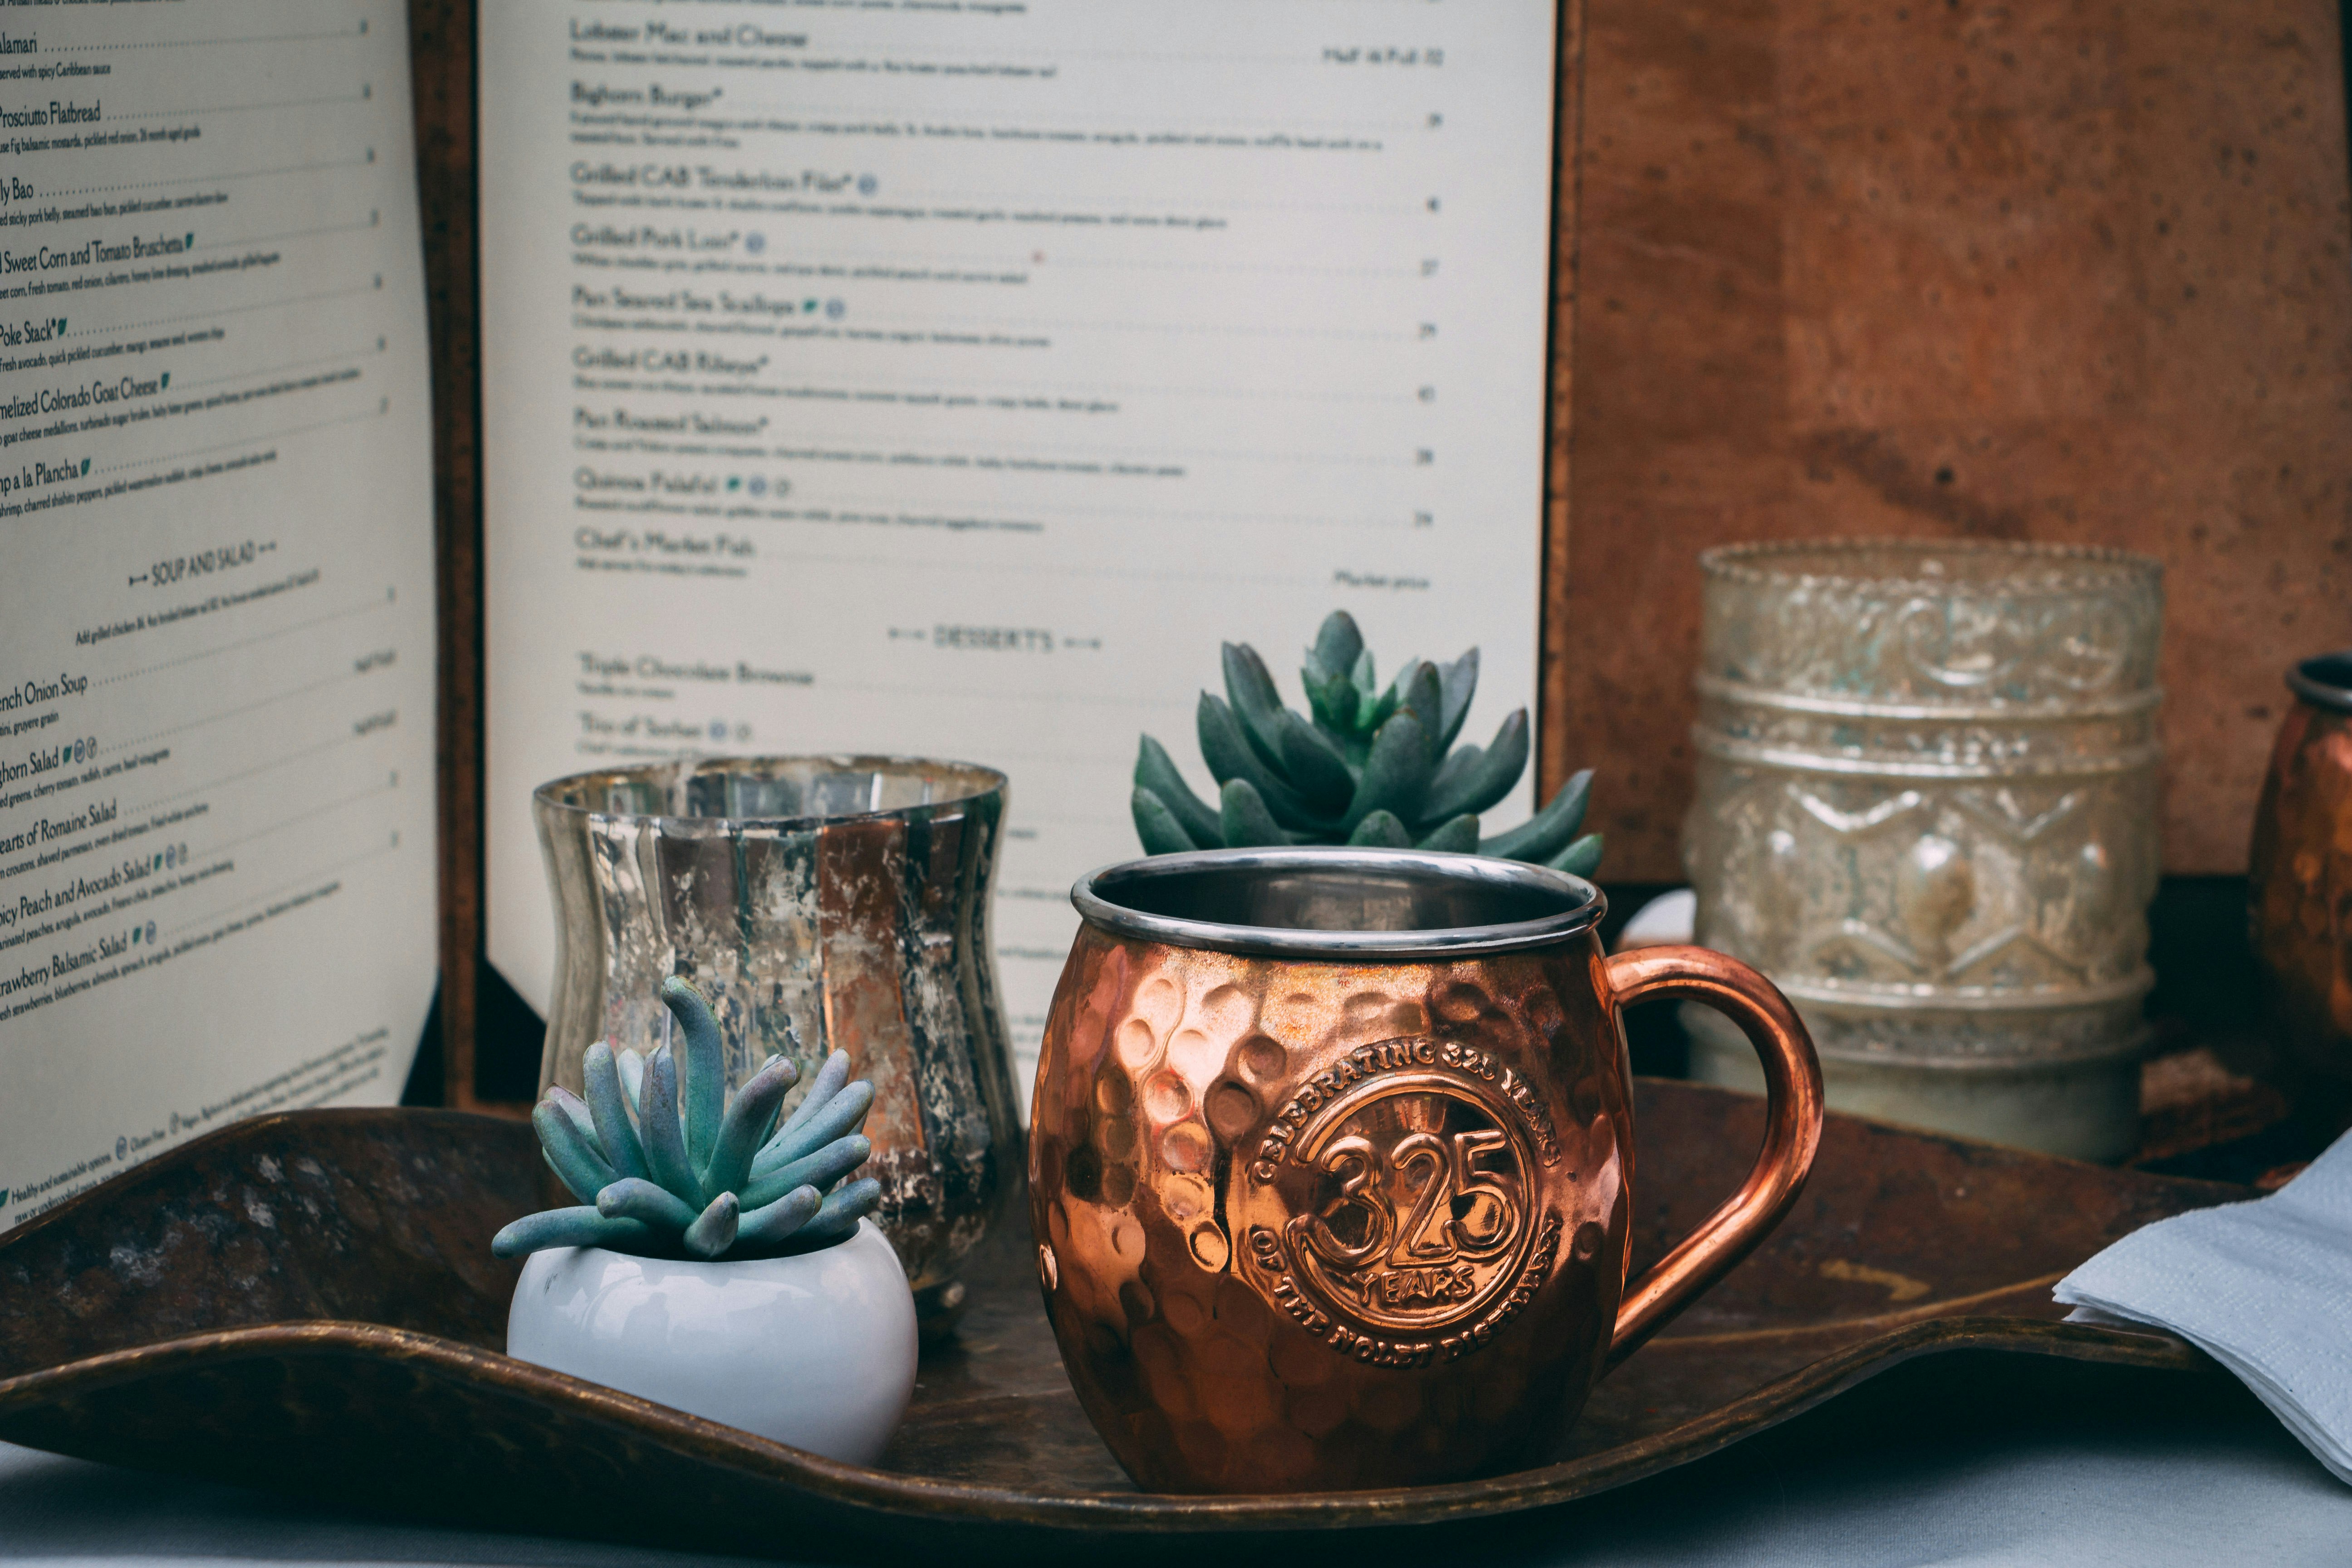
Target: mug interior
pixel 1380 904
pixel 2325 682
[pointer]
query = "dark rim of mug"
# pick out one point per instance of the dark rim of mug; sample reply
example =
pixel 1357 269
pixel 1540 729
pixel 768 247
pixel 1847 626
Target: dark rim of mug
pixel 1097 893
pixel 2325 682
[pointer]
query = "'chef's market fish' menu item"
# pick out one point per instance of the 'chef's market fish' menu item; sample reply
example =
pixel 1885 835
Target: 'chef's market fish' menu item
pixel 216 858
pixel 950 379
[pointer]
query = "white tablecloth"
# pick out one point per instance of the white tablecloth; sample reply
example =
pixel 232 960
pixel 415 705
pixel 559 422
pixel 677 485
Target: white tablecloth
pixel 2086 1498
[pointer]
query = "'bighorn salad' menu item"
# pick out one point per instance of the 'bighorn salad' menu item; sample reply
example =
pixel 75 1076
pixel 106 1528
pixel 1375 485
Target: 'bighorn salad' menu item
pixel 952 378
pixel 217 859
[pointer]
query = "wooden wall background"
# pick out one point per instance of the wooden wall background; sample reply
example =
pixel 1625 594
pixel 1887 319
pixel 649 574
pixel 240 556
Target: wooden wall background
pixel 2075 271
pixel 2071 271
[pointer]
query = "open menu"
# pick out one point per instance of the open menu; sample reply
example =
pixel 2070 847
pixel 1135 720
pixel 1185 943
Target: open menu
pixel 953 377
pixel 217 836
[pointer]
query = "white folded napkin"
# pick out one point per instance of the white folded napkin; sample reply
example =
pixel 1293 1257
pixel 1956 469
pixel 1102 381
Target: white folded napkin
pixel 2263 1287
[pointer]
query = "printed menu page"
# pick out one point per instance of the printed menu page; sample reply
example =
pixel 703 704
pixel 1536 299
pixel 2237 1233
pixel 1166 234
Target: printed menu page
pixel 216 860
pixel 951 377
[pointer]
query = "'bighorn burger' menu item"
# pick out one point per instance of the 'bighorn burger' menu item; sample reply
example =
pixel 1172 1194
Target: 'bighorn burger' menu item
pixel 954 377
pixel 216 859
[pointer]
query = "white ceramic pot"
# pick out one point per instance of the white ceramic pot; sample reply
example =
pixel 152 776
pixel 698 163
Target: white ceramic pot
pixel 817 1351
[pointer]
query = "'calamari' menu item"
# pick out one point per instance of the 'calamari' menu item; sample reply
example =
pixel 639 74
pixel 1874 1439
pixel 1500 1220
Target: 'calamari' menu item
pixel 217 867
pixel 953 378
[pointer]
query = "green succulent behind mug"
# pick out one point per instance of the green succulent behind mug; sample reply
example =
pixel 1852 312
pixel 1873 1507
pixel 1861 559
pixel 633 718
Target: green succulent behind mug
pixel 1370 768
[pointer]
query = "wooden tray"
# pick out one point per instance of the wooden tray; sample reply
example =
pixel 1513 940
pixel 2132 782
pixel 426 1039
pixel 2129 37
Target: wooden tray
pixel 307 1302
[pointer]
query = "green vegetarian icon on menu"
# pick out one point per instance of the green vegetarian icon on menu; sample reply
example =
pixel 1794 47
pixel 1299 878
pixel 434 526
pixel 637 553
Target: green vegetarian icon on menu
pixel 1370 768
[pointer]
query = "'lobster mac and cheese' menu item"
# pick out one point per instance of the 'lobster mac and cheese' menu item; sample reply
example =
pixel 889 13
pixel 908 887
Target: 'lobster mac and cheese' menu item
pixel 216 857
pixel 953 377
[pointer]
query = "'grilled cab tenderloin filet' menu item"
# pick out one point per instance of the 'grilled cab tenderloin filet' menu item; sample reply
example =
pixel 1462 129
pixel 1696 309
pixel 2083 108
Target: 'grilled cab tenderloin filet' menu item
pixel 217 859
pixel 952 378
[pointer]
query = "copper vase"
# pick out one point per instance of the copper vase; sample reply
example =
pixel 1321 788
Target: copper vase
pixel 2300 881
pixel 1331 1161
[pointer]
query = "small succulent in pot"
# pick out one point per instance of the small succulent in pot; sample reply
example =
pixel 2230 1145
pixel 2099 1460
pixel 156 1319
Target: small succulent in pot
pixel 665 1167
pixel 1370 767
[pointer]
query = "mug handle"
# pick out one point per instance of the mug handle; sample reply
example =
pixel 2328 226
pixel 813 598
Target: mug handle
pixel 1792 1126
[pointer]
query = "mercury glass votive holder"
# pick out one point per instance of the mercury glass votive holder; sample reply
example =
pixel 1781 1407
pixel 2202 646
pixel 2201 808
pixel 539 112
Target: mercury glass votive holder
pixel 817 903
pixel 1926 808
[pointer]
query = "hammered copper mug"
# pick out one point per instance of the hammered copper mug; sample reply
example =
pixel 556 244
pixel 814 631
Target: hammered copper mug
pixel 1331 1161
pixel 2299 885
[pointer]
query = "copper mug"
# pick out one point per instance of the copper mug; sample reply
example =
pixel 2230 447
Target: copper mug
pixel 1331 1161
pixel 2300 886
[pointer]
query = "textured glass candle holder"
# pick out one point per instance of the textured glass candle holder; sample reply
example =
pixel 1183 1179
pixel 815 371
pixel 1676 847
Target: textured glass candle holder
pixel 841 901
pixel 1926 808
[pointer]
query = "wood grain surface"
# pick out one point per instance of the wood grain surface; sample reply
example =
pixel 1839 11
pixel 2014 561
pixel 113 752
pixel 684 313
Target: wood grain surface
pixel 2060 269
pixel 306 1302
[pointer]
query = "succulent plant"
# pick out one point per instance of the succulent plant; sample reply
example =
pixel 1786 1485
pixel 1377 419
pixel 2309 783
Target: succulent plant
pixel 666 1166
pixel 1371 767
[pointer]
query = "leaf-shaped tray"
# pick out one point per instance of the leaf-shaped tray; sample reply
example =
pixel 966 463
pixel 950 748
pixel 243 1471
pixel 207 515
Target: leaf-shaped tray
pixel 307 1302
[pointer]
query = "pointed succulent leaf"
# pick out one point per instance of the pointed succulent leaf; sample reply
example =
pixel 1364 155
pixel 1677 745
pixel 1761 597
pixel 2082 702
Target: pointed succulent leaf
pixel 1580 859
pixel 1229 757
pixel 746 1122
pixel 1156 829
pixel 1459 682
pixel 702 1087
pixel 1243 820
pixel 572 1153
pixel 1379 830
pixel 819 1169
pixel 1486 778
pixel 1254 700
pixel 828 1082
pixel 1331 699
pixel 1337 643
pixel 1420 691
pixel 1313 764
pixel 572 1106
pixel 772 1224
pixel 714 1231
pixel 767 1128
pixel 665 1139
pixel 839 1214
pixel 581 1226
pixel 633 1080
pixel 840 1116
pixel 1155 770
pixel 1457 762
pixel 1545 834
pixel 1458 836
pixel 1396 772
pixel 633 1197
pixel 608 1106
pixel 1222 744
